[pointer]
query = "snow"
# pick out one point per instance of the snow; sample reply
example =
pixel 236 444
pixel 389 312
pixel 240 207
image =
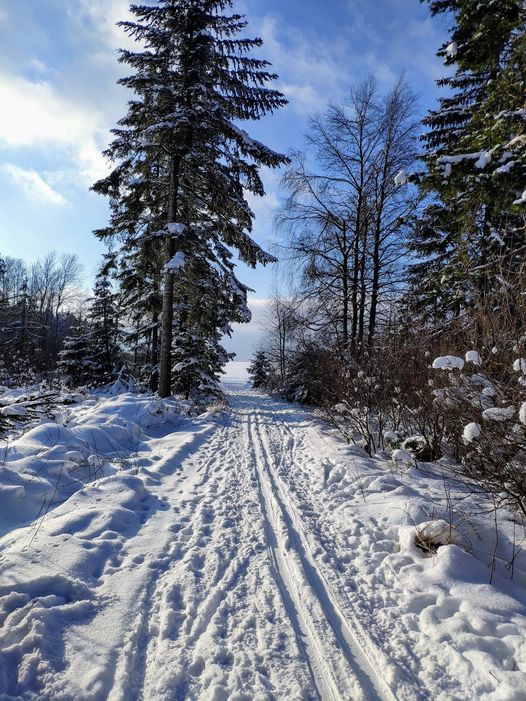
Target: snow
pixel 499 413
pixel 452 50
pixel 505 168
pixel 521 199
pixel 483 160
pixel 391 437
pixel 448 362
pixel 248 554
pixel 403 457
pixel 473 356
pixel 236 371
pixel 176 229
pixel 400 178
pixel 471 432
pixel 522 413
pixel 519 365
pixel 14 410
pixel 177 262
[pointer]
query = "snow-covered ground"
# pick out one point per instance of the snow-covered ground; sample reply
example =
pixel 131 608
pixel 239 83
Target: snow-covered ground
pixel 248 554
pixel 236 371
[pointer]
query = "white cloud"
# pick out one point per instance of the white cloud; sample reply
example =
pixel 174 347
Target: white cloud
pixel 33 185
pixel 101 16
pixel 36 115
pixel 310 69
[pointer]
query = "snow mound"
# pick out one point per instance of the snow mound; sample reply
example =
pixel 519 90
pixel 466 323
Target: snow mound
pixel 50 462
pixel 402 458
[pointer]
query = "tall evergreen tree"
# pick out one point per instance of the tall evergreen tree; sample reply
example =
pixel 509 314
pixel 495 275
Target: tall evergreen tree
pixel 183 163
pixel 475 159
pixel 75 363
pixel 105 333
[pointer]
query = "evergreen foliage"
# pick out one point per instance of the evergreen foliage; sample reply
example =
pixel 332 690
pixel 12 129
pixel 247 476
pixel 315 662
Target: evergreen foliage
pixel 104 340
pixel 473 228
pixel 93 355
pixel 74 361
pixel 260 370
pixel 182 162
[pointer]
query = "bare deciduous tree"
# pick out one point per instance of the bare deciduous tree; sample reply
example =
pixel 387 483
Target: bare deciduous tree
pixel 344 215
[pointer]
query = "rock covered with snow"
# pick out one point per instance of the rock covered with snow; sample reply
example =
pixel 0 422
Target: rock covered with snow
pixel 430 535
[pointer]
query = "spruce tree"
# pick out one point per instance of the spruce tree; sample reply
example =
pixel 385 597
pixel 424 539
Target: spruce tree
pixel 474 159
pixel 74 361
pixel 260 370
pixel 105 353
pixel 183 164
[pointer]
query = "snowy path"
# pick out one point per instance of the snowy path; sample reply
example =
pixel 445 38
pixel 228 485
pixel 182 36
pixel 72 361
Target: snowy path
pixel 222 548
pixel 226 561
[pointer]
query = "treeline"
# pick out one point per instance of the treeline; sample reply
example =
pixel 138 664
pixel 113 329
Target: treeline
pixel 39 304
pixel 407 313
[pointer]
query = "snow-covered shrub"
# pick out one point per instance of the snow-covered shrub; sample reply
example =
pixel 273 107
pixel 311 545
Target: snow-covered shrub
pixel 484 404
pixel 356 424
pixel 402 459
pixel 392 439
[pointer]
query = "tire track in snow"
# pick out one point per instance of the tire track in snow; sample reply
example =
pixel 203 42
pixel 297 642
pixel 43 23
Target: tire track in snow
pixel 289 450
pixel 337 661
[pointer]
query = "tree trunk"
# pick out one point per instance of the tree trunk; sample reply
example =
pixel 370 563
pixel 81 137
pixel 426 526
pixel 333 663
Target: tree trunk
pixel 363 288
pixel 167 313
pixel 345 290
pixel 355 281
pixel 375 288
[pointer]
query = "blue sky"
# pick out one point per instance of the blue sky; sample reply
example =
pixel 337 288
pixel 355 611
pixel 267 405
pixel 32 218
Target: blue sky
pixel 59 98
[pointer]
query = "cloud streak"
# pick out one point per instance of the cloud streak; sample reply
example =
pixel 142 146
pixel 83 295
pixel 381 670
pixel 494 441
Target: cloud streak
pixel 33 185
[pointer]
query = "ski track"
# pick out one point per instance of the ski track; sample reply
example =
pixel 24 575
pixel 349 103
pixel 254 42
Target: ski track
pixel 230 588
